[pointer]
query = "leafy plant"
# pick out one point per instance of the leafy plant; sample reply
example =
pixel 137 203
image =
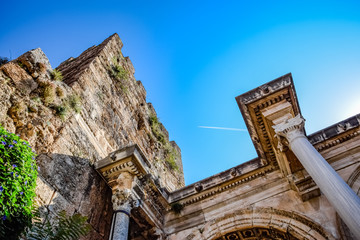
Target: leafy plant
pixel 170 152
pixel 119 73
pixel 56 75
pixel 60 92
pixel 171 160
pixel 75 103
pixel 155 128
pixel 62 111
pixel 62 227
pixel 49 93
pixel 18 175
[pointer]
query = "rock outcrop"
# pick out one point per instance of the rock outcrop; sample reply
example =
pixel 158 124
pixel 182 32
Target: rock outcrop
pixel 97 108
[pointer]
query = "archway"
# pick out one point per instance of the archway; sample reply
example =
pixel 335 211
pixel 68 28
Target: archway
pixel 258 233
pixel 261 223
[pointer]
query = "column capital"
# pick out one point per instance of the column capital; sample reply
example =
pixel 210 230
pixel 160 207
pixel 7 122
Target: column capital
pixel 124 199
pixel 122 196
pixel 291 128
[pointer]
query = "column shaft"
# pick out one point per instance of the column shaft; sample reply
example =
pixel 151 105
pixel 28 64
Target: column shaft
pixel 339 194
pixel 120 225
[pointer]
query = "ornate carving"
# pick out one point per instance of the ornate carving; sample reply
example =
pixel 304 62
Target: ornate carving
pixel 291 128
pixel 228 186
pixel 233 172
pixel 283 225
pixel 198 187
pixel 120 198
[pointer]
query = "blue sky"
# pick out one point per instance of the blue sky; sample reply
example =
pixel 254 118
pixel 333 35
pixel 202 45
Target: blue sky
pixel 195 57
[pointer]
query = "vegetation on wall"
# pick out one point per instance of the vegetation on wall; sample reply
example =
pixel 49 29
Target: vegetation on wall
pixel 49 93
pixel 63 227
pixel 56 75
pixel 71 103
pixel 18 173
pixel 120 74
pixel 170 152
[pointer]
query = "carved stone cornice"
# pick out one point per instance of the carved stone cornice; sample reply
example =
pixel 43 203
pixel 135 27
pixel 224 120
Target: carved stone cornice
pixel 129 159
pixel 291 128
pixel 256 102
pixel 197 195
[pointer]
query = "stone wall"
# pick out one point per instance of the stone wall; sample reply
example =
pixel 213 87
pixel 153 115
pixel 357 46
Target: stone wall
pixel 249 196
pixel 96 109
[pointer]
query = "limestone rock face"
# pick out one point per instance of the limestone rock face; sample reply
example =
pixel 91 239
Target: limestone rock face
pixel 98 108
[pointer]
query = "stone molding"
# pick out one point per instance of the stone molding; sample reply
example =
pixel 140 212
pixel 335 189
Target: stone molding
pixel 295 223
pixel 323 146
pixel 253 103
pixel 217 190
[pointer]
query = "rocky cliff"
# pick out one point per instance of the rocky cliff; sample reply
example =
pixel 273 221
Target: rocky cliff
pixel 76 115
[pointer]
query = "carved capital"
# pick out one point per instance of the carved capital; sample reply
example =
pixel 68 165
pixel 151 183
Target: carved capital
pixel 290 129
pixel 122 197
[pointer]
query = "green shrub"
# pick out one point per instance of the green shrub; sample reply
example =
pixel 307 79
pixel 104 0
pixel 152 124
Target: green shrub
pixel 171 155
pixel 49 93
pixel 75 103
pixel 18 173
pixel 60 92
pixel 117 71
pixel 56 75
pixel 170 159
pixel 62 111
pixel 155 128
pixel 170 152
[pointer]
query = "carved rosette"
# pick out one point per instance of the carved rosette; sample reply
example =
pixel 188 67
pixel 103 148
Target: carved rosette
pixel 290 129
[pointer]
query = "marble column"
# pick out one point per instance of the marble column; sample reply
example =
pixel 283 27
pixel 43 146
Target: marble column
pixel 123 201
pixel 339 194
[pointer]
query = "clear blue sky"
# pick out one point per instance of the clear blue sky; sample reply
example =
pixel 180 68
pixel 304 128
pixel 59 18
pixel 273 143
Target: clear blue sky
pixel 194 57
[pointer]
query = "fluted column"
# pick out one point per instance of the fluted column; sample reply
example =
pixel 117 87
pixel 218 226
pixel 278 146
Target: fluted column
pixel 339 194
pixel 123 201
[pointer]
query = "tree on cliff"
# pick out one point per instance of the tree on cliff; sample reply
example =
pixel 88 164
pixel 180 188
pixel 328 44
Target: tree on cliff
pixel 3 60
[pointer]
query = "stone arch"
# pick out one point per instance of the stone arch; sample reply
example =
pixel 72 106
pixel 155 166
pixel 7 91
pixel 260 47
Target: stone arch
pixel 292 224
pixel 354 183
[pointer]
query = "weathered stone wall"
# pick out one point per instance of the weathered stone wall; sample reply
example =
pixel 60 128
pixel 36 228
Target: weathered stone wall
pixel 250 196
pixel 70 136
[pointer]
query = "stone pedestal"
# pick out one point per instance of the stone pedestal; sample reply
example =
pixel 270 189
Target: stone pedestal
pixel 339 194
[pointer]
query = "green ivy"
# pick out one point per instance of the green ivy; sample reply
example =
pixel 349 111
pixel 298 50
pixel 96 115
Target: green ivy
pixel 18 173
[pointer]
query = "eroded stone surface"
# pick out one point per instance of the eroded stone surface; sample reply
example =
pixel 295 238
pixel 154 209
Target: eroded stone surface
pixel 112 114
